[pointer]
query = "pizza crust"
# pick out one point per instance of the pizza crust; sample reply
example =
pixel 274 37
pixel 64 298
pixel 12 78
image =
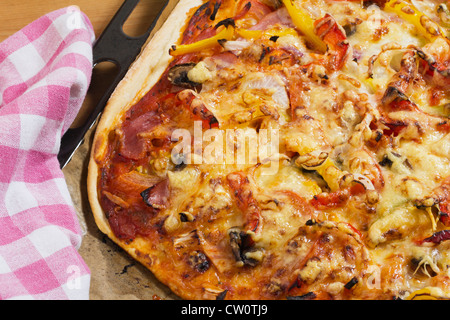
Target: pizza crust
pixel 140 78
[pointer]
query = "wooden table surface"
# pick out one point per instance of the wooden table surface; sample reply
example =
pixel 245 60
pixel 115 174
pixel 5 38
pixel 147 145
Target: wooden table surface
pixel 114 275
pixel 14 14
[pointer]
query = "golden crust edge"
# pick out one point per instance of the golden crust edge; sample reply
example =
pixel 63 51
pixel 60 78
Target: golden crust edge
pixel 142 75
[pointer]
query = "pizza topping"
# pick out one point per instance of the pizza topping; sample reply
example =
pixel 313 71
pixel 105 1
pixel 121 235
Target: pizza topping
pixel 198 261
pixel 436 55
pixel 116 200
pixel 215 10
pixel 423 23
pixel 243 249
pixel 222 295
pixel 444 212
pixel 135 180
pixel 133 146
pixel 225 34
pixel 438 237
pixel 279 17
pixel 358 201
pixel 193 102
pixel 443 13
pixel 236 46
pixel 349 285
pixel 186 217
pixel 303 21
pixel 186 240
pixel 394 95
pixel 178 75
pixel 350 29
pixel 428 293
pixel 307 296
pixel 240 184
pixel 270 86
pixel 312 160
pixel 157 196
pixel 334 36
pixel 425 260
pixel 343 265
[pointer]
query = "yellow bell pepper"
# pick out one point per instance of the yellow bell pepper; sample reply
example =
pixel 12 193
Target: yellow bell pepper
pixel 304 22
pixel 256 34
pixel 331 174
pixel 408 12
pixel 225 34
pixel 249 34
pixel 425 294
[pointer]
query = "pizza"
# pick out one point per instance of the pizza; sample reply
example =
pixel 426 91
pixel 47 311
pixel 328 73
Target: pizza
pixel 284 149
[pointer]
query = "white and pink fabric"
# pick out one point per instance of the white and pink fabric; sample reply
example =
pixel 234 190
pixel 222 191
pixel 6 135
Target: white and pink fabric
pixel 45 71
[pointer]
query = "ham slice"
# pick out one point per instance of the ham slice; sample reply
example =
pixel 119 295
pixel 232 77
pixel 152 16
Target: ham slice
pixel 133 146
pixel 280 16
pixel 157 196
pixel 132 181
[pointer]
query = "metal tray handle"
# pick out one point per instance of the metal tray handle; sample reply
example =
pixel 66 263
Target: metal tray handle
pixel 115 46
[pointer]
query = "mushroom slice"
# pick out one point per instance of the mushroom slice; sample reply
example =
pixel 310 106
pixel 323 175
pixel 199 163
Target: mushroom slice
pixel 178 75
pixel 311 161
pixel 393 94
pixel 362 179
pixel 199 261
pixel 243 249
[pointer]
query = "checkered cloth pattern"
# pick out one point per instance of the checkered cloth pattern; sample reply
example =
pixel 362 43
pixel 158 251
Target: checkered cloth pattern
pixel 45 71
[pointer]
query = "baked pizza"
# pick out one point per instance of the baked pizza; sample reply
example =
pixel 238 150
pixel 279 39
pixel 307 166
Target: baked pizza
pixel 284 149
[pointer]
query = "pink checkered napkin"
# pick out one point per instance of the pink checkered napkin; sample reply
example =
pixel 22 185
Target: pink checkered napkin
pixel 45 71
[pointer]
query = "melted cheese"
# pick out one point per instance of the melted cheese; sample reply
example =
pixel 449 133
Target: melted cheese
pixel 367 184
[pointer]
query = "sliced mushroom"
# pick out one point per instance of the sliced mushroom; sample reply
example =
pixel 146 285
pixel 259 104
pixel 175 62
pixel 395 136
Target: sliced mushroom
pixel 386 162
pixel 186 217
pixel 178 75
pixel 350 29
pixel 364 181
pixel 235 242
pixel 312 160
pixel 393 94
pixel 242 248
pixel 199 261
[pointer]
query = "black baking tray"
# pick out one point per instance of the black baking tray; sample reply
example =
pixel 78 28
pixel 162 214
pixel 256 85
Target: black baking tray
pixel 115 46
